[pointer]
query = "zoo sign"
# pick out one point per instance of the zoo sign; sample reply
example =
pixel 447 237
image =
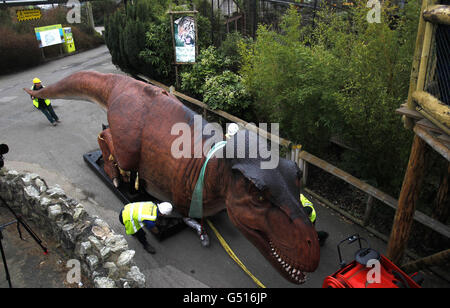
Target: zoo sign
pixel 49 35
pixel 28 14
pixel 184 32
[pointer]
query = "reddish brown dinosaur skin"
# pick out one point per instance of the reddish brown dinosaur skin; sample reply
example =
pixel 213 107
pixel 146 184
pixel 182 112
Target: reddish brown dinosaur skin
pixel 140 119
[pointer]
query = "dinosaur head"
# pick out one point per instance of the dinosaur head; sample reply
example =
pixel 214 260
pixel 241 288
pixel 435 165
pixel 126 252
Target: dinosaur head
pixel 264 205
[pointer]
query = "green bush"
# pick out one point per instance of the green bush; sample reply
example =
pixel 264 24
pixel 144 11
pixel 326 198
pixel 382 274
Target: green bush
pixel 209 64
pixel 158 51
pixel 230 49
pixel 343 77
pixel 139 38
pixel 18 51
pixel 226 92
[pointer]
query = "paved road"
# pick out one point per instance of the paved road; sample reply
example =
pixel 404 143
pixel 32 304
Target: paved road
pixel 56 153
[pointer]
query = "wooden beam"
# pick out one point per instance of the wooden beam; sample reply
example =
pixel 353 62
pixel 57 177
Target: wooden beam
pixel 437 14
pixel 437 109
pixel 432 142
pixel 409 195
pixel 415 65
pixel 426 47
pixel 372 191
pixel 413 114
pixel 440 258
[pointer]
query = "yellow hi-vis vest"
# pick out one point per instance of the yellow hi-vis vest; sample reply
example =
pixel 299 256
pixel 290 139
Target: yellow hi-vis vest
pixel 36 102
pixel 306 203
pixel 134 214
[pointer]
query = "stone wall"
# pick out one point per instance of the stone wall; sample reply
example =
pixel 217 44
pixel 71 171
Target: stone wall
pixel 103 255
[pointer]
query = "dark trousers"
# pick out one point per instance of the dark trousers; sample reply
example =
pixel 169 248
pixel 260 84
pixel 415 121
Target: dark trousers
pixel 49 112
pixel 140 235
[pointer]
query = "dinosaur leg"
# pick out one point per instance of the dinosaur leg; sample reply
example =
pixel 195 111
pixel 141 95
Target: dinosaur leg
pixel 192 223
pixel 106 146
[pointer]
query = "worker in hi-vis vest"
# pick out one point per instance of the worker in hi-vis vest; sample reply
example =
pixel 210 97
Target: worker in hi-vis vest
pixel 136 215
pixel 44 105
pixel 309 209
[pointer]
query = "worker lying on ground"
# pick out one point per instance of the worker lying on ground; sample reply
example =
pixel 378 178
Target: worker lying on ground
pixel 136 215
pixel 309 208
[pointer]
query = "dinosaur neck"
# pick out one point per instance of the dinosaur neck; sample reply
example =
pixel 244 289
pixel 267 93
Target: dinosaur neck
pixel 215 186
pixel 87 85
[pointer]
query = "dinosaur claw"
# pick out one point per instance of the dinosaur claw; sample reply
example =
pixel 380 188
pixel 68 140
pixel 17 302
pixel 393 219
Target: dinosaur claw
pixel 116 182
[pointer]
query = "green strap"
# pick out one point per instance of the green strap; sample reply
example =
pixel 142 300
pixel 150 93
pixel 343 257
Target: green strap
pixel 196 209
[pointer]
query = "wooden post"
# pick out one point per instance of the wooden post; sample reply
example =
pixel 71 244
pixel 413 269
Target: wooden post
pixel 177 79
pixel 305 173
pixel 409 194
pixel 368 210
pixel 442 209
pixel 415 65
pixel 90 15
pixel 428 36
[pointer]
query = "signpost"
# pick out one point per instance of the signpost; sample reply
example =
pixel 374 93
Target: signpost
pixel 49 35
pixel 184 38
pixel 30 14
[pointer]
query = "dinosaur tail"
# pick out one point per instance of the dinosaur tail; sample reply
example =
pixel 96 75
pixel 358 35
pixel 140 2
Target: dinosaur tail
pixel 85 85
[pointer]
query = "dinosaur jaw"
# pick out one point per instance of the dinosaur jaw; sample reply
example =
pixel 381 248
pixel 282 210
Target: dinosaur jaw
pixel 282 259
pixel 288 270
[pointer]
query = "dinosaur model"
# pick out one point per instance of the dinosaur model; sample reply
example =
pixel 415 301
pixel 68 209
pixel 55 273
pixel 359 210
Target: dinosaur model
pixel 262 203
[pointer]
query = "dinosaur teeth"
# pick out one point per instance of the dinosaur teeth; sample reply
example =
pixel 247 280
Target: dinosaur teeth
pixel 293 272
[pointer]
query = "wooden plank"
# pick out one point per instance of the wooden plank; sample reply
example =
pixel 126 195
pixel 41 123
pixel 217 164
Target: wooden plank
pixel 437 125
pixel 437 14
pixel 428 125
pixel 432 142
pixel 444 139
pixel 409 113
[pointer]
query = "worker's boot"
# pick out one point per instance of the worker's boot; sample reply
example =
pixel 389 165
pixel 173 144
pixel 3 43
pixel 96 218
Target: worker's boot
pixel 140 235
pixel 149 248
pixel 322 237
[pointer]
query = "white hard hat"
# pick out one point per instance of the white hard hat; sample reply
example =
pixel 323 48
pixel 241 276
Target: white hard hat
pixel 232 129
pixel 165 208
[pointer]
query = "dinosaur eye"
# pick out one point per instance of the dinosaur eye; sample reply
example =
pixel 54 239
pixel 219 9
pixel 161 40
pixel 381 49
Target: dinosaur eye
pixel 261 198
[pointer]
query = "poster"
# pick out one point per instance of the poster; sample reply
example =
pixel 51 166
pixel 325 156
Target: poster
pixel 49 35
pixel 184 30
pixel 29 14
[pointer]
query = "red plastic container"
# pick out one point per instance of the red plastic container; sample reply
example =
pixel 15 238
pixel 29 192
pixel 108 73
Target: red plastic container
pixel 368 270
